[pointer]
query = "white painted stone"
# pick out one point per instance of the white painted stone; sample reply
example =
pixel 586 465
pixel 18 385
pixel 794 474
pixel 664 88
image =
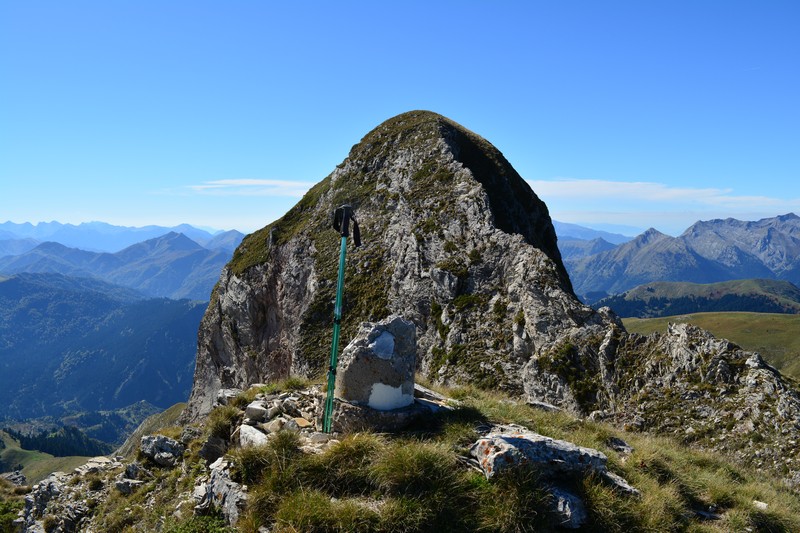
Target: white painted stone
pixel 383 346
pixel 385 398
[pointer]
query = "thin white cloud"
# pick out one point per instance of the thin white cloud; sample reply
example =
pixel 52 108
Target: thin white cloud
pixel 252 187
pixel 649 204
pixel 622 192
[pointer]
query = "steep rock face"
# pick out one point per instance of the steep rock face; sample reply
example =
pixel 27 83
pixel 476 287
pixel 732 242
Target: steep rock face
pixel 709 392
pixel 454 240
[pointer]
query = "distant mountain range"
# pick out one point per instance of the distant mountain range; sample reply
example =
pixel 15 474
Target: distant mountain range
pixel 172 265
pixel 59 334
pixel 88 304
pixel 668 298
pixel 103 237
pixel 707 252
pixel 568 231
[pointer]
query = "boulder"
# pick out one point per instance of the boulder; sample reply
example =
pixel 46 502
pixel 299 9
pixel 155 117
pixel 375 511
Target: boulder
pixel 127 486
pixel 15 478
pixel 162 450
pixel 256 411
pixel 550 457
pixel 569 508
pixel 250 436
pixel 553 459
pixel 377 367
pixel 213 448
pixel 220 493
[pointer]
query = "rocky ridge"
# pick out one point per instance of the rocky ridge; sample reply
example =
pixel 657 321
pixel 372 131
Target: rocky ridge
pixel 707 252
pixel 457 242
pixel 205 466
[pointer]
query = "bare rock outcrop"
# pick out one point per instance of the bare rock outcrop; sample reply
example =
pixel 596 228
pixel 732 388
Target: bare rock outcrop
pixel 454 240
pixel 457 242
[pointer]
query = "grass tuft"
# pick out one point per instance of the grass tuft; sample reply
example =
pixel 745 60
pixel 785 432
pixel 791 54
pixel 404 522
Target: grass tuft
pixel 222 420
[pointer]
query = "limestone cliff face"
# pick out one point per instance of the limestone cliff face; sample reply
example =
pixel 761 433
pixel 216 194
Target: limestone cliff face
pixel 457 242
pixel 454 239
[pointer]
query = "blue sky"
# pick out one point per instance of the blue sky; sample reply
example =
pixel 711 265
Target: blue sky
pixel 220 114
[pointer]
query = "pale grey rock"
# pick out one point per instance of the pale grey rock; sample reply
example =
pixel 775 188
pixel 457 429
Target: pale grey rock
pixel 36 502
pixel 163 450
pixel 15 478
pixel 127 486
pixel 550 457
pixel 291 425
pixel 225 396
pixel 213 448
pixel 319 438
pixel 619 483
pixel 377 368
pixel 273 411
pixel 219 492
pixel 569 508
pixel 190 433
pixel 349 417
pixel 256 411
pixel 424 393
pixel 135 470
pixel 273 426
pixel 250 436
pixel 289 407
pixel 513 446
pixel 620 446
pixel 97 464
pixel 544 406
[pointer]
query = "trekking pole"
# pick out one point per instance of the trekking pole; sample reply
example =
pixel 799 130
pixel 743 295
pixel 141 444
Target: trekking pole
pixel 341 223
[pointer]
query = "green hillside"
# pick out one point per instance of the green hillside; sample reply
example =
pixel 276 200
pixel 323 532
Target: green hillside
pixel 774 336
pixel 35 465
pixel 667 298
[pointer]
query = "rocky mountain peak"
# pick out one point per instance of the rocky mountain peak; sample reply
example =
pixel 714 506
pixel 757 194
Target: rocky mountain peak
pixel 457 243
pixel 451 233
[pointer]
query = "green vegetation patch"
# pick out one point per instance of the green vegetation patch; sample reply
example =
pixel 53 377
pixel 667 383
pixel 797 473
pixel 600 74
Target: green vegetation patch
pixel 364 299
pixel 577 368
pixel 254 248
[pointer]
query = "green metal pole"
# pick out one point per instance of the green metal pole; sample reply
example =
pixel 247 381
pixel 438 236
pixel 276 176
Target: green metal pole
pixel 337 321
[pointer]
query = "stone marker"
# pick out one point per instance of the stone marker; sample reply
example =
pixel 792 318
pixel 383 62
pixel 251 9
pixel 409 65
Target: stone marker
pixel 377 368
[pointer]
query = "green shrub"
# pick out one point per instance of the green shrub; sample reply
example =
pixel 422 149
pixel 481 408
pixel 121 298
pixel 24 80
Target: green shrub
pixel 222 420
pixel 344 469
pixel 199 524
pixel 314 511
pixel 8 513
pixel 515 501
pixel 95 483
pixel 253 463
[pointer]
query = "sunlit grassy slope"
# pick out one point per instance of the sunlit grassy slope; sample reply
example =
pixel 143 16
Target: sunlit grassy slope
pixel 775 336
pixel 35 465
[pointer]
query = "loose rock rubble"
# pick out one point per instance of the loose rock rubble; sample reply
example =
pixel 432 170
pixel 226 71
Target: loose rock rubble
pixel 66 504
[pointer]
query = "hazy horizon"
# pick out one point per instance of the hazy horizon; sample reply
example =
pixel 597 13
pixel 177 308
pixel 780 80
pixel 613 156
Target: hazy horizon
pixel 619 114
